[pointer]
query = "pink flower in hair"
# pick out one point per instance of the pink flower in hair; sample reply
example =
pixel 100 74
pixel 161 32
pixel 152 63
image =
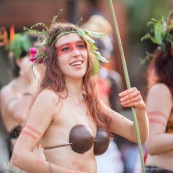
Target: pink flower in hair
pixel 33 51
pixel 33 58
pixel 37 55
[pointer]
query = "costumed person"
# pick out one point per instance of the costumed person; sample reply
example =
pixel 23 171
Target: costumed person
pixel 16 95
pixel 67 117
pixel 110 85
pixel 159 102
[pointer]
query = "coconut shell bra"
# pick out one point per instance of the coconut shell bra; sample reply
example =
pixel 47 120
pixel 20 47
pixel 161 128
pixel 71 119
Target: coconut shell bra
pixel 81 139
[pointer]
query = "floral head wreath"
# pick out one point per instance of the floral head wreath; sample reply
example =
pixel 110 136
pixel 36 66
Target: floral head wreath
pixel 160 34
pixel 38 55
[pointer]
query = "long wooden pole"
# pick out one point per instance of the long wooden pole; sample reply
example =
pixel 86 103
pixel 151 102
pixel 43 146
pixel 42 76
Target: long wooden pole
pixel 127 80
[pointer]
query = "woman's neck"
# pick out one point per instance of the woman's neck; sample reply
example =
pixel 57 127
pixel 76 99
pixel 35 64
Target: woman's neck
pixel 74 89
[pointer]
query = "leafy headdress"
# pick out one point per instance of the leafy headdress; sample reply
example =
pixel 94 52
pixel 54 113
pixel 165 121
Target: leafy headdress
pixel 160 34
pixel 20 45
pixel 38 55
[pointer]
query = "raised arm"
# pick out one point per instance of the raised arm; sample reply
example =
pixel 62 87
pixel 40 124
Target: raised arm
pixel 123 126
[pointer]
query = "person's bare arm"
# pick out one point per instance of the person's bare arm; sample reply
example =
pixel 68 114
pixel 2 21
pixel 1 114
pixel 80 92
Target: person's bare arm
pixel 41 116
pixel 159 106
pixel 124 127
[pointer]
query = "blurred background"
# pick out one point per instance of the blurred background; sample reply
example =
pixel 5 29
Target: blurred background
pixel 132 17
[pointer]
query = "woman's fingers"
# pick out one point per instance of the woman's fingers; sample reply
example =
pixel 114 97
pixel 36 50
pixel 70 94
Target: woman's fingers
pixel 131 97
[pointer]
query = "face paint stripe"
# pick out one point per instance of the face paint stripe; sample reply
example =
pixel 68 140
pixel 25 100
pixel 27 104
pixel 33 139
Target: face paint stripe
pixel 152 120
pixel 71 46
pixel 32 129
pixel 29 134
pixel 157 113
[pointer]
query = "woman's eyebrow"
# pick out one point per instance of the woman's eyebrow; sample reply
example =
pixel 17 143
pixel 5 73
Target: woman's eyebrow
pixel 66 44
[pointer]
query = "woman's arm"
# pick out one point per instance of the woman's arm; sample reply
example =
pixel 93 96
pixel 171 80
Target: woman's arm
pixel 123 126
pixel 41 116
pixel 159 106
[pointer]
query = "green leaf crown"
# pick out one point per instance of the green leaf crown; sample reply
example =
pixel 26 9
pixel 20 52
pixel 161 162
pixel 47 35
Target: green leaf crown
pixel 46 39
pixel 160 34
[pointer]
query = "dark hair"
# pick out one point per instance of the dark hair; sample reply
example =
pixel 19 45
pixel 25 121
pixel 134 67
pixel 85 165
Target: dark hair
pixel 162 64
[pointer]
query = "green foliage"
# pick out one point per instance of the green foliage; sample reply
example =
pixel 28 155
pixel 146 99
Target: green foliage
pixel 20 43
pixel 45 38
pixel 96 68
pixel 160 33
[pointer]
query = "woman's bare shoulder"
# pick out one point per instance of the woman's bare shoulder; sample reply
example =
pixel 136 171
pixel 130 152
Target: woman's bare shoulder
pixel 160 94
pixel 46 103
pixel 7 92
pixel 161 89
pixel 48 95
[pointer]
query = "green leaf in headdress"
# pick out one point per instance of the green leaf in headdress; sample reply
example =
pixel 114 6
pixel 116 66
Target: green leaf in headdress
pixel 96 66
pixel 94 34
pixel 26 43
pixel 82 33
pixel 148 56
pixel 160 31
pixel 19 44
pixel 15 46
pixel 148 36
pixel 100 58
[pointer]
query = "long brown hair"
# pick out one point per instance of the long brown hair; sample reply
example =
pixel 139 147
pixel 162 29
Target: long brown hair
pixel 54 79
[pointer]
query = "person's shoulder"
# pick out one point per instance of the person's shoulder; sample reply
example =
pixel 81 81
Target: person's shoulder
pixel 46 103
pixel 7 90
pixel 160 90
pixel 48 95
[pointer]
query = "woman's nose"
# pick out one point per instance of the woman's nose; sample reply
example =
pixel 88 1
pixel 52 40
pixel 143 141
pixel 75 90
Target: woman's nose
pixel 75 52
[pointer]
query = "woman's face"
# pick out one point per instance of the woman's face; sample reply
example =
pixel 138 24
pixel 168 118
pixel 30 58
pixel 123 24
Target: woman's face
pixel 72 55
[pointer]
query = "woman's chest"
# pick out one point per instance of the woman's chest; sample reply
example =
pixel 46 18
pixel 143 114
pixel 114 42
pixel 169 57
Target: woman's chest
pixel 73 112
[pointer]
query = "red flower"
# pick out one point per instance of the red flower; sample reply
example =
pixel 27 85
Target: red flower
pixel 33 51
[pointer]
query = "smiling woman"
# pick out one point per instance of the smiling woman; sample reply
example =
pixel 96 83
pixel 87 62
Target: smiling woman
pixel 67 116
pixel 72 44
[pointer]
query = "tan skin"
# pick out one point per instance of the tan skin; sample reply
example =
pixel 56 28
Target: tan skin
pixel 159 144
pixel 52 118
pixel 15 95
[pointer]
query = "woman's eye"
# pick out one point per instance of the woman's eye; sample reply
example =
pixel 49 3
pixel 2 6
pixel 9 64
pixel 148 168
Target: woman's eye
pixel 80 46
pixel 65 49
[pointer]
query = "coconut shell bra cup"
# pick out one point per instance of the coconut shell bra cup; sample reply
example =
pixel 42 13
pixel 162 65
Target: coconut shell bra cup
pixel 81 139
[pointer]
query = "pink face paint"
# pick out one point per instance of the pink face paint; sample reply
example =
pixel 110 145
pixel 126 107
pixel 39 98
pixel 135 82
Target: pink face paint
pixel 32 129
pixel 24 132
pixel 156 113
pixel 70 47
pixel 152 120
